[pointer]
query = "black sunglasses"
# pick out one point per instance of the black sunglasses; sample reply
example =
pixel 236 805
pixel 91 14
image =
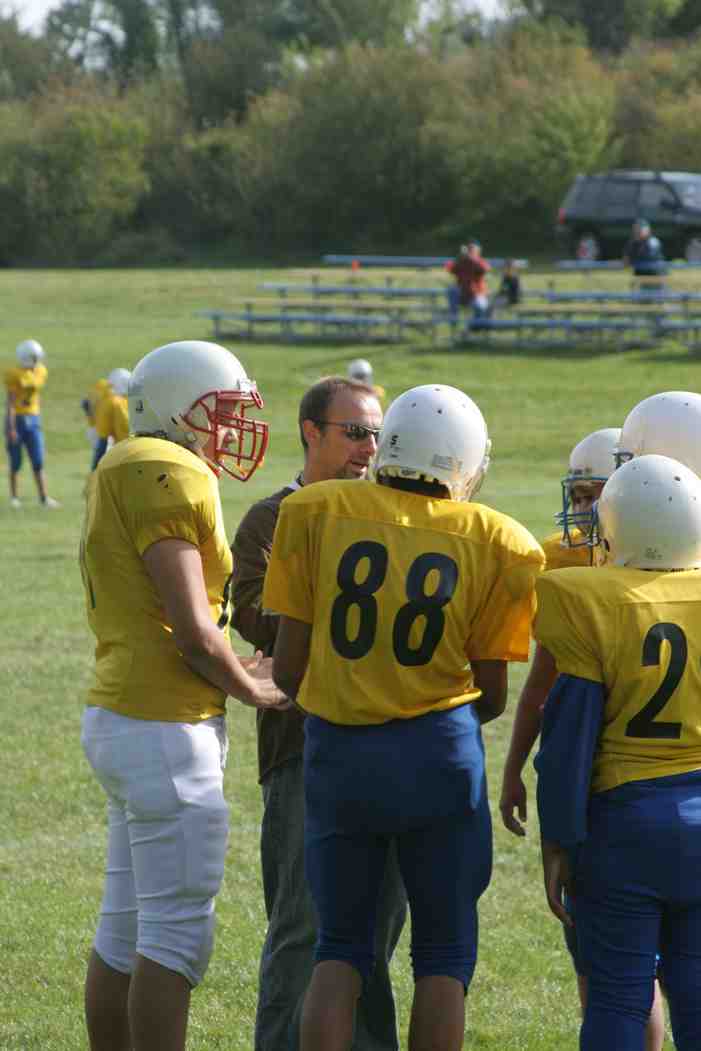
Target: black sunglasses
pixel 355 432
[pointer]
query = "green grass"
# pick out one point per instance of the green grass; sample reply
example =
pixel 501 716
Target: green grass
pixel 537 404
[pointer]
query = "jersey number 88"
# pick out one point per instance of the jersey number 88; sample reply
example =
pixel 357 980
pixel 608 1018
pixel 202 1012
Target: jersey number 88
pixel 362 595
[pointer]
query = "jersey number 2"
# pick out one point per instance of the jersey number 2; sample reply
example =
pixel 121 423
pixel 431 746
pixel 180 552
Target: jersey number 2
pixel 643 724
pixel 362 595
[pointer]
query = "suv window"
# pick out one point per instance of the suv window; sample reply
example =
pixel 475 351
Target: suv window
pixel 587 194
pixel 655 195
pixel 690 193
pixel 620 199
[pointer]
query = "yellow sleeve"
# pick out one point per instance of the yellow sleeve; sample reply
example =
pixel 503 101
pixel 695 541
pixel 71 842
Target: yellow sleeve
pixel 121 419
pixel 503 629
pixel 10 378
pixel 104 424
pixel 169 501
pixel 559 555
pixel 41 375
pixel 288 579
pixel 564 627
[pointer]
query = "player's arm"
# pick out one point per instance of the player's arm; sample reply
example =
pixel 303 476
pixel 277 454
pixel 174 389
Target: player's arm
pixel 527 722
pixel 99 450
pixel 104 428
pixel 557 878
pixel 251 551
pixel 11 416
pixel 572 722
pixel 291 654
pixel 491 677
pixel 175 567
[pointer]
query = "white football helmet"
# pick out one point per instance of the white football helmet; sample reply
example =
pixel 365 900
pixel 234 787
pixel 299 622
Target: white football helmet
pixel 360 370
pixel 118 380
pixel 435 433
pixel 649 515
pixel 593 461
pixel 29 353
pixel 185 392
pixel 668 424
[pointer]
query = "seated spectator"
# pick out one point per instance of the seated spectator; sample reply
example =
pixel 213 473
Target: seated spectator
pixel 509 291
pixel 469 270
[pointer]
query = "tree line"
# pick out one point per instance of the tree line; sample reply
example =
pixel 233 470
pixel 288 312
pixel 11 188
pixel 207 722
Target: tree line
pixel 136 130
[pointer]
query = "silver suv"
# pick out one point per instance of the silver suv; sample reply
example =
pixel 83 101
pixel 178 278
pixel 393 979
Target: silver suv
pixel 597 214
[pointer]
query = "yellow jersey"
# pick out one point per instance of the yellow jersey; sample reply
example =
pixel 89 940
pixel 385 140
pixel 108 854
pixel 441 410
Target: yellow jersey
pixel 635 631
pixel 402 592
pixel 145 490
pixel 112 417
pixel 24 385
pixel 101 388
pixel 559 554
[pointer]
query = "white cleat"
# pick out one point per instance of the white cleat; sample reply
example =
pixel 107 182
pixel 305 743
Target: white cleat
pixel 15 503
pixel 49 503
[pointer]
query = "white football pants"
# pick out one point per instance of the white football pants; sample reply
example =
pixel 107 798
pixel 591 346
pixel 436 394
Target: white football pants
pixel 168 826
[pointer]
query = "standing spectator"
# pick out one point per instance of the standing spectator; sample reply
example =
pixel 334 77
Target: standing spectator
pixel 156 567
pixel 469 270
pixel 338 422
pixel 619 767
pixel 361 371
pixel 23 419
pixel 111 414
pixel 385 590
pixel 643 252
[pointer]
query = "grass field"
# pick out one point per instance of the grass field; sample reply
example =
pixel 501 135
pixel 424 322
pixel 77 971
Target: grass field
pixel 537 405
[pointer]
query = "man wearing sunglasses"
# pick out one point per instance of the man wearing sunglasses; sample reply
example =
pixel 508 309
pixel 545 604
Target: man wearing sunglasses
pixel 339 421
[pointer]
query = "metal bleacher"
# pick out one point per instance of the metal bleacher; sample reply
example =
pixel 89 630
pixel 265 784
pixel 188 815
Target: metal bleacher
pixel 412 262
pixel 359 310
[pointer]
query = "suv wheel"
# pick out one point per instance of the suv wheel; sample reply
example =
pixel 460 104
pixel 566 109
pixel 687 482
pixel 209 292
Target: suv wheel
pixel 692 250
pixel 587 247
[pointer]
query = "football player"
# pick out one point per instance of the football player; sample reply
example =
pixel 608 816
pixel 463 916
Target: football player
pixel 591 463
pixel 156 566
pixel 361 371
pixel 111 414
pixel 89 404
pixel 23 420
pixel 619 767
pixel 384 588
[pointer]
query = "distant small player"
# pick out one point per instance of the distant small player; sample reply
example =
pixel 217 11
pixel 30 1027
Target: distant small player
pixel 23 420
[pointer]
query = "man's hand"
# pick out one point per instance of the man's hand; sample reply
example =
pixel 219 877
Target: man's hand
pixel 557 876
pixel 264 692
pixel 513 797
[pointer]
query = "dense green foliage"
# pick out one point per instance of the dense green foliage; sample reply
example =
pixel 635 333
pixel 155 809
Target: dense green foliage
pixel 149 129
